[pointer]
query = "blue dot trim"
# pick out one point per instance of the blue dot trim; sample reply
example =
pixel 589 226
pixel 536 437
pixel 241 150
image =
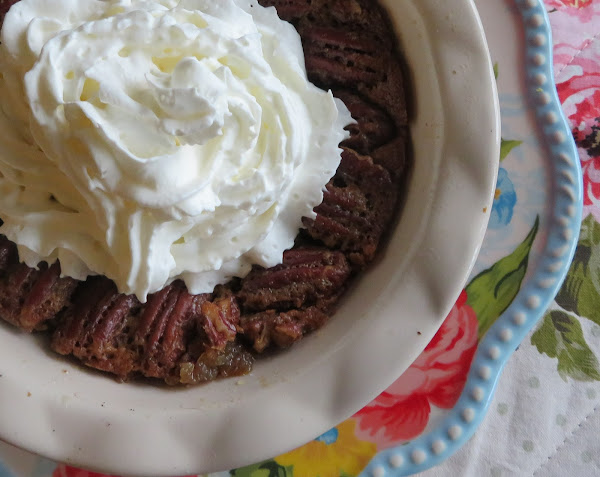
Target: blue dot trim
pixel 536 294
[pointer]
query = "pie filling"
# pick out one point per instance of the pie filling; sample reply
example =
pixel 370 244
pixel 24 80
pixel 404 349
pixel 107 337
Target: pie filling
pixel 190 331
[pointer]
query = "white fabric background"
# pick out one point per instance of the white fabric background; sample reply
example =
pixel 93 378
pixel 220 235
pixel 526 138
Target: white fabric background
pixel 537 425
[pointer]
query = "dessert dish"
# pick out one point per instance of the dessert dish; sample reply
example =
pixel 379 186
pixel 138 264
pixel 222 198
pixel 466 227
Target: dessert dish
pixel 189 330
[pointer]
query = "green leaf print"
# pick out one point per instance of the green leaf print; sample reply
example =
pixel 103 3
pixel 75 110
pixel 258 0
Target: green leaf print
pixel 507 145
pixel 269 468
pixel 496 70
pixel 580 292
pixel 560 336
pixel 494 289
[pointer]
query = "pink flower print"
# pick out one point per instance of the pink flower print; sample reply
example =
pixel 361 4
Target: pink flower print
pixel 437 377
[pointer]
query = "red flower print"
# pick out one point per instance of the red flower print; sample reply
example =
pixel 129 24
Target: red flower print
pixel 437 377
pixel 587 137
pixel 574 22
pixel 567 3
pixel 67 471
pixel 583 10
pixel 580 97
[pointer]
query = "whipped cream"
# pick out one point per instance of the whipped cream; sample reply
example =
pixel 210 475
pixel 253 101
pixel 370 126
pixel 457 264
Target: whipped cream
pixel 154 140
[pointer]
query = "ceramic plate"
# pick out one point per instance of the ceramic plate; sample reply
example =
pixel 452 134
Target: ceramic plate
pixel 72 415
pixel 531 238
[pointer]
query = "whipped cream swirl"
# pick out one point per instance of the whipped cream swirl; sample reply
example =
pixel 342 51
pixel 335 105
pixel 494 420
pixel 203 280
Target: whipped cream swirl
pixel 150 140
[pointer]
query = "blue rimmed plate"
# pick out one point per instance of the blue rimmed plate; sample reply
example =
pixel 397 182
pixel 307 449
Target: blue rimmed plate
pixel 539 197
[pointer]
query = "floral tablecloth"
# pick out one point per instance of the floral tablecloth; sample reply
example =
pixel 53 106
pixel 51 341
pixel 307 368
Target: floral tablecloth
pixel 545 417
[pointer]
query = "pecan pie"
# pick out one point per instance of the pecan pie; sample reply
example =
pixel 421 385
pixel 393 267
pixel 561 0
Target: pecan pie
pixel 350 48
